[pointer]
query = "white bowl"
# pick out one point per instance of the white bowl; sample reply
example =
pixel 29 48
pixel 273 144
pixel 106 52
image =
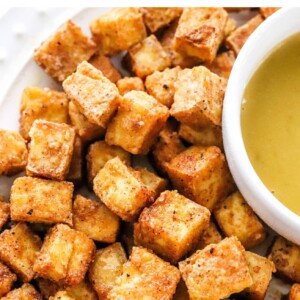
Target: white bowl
pixel 275 29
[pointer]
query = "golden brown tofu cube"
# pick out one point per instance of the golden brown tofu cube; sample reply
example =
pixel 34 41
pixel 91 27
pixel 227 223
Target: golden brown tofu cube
pixel 158 17
pixel 62 295
pixel 236 40
pixel 261 270
pixel 99 154
pixel 286 257
pixel 160 85
pixel 118 29
pixel 205 136
pixel 95 96
pixel 148 56
pixel 145 276
pixel 171 226
pixel 236 218
pixel 13 153
pixel 128 84
pixel 200 32
pixel 18 248
pixel 266 12
pixel 51 150
pixel 201 174
pixel 217 271
pixel 198 98
pixel 4 211
pixel 137 123
pixel 295 292
pixel 84 128
pixel 106 267
pixel 116 182
pixel 7 278
pixel 104 64
pixel 230 26
pixel 44 104
pixel 95 220
pixel 25 292
pixel 76 164
pixel 65 255
pixel 60 54
pixel 41 200
pixel 82 291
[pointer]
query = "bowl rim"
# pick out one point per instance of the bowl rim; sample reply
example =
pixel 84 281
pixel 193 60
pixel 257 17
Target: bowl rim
pixel 268 207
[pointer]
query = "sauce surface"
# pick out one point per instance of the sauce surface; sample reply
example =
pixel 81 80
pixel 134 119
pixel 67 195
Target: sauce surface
pixel 270 120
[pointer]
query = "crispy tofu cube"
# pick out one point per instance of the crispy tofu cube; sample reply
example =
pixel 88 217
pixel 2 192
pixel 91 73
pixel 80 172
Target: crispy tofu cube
pixel 118 29
pixel 266 12
pixel 83 127
pixel 76 164
pixel 137 123
pixel 156 18
pixel 128 84
pixel 236 218
pixel 41 200
pixel 200 32
pixel 171 226
pixel 230 26
pixel 106 267
pixel 217 271
pixel 205 136
pixel 148 56
pixel 60 54
pixel 103 63
pixel 160 85
pixel 95 220
pixel 286 257
pixel 116 182
pixel 51 150
pixel 65 255
pixel 26 291
pixel 236 40
pixel 7 278
pixel 295 292
pixel 44 104
pixel 61 295
pixel 95 96
pixel 198 98
pixel 201 174
pixel 18 248
pixel 99 154
pixel 13 153
pixel 4 211
pixel 83 290
pixel 261 270
pixel 145 276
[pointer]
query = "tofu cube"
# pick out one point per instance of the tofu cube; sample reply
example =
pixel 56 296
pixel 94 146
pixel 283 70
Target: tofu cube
pixel 51 150
pixel 106 267
pixel 236 40
pixel 41 200
pixel 261 270
pixel 156 18
pixel 60 54
pixel 160 85
pixel 103 63
pixel 116 182
pixel 7 278
pixel 266 12
pixel 128 84
pixel 18 248
pixel 83 127
pixel 236 218
pixel 26 291
pixel 295 292
pixel 13 153
pixel 76 164
pixel 95 220
pixel 83 290
pixel 99 154
pixel 201 174
pixel 65 255
pixel 137 123
pixel 171 226
pixel 200 32
pixel 286 257
pixel 222 266
pixel 61 295
pixel 230 26
pixel 198 98
pixel 4 211
pixel 145 276
pixel 118 29
pixel 95 96
pixel 148 56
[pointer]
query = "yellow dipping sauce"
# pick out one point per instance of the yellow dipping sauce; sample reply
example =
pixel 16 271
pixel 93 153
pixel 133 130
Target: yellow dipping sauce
pixel 270 120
